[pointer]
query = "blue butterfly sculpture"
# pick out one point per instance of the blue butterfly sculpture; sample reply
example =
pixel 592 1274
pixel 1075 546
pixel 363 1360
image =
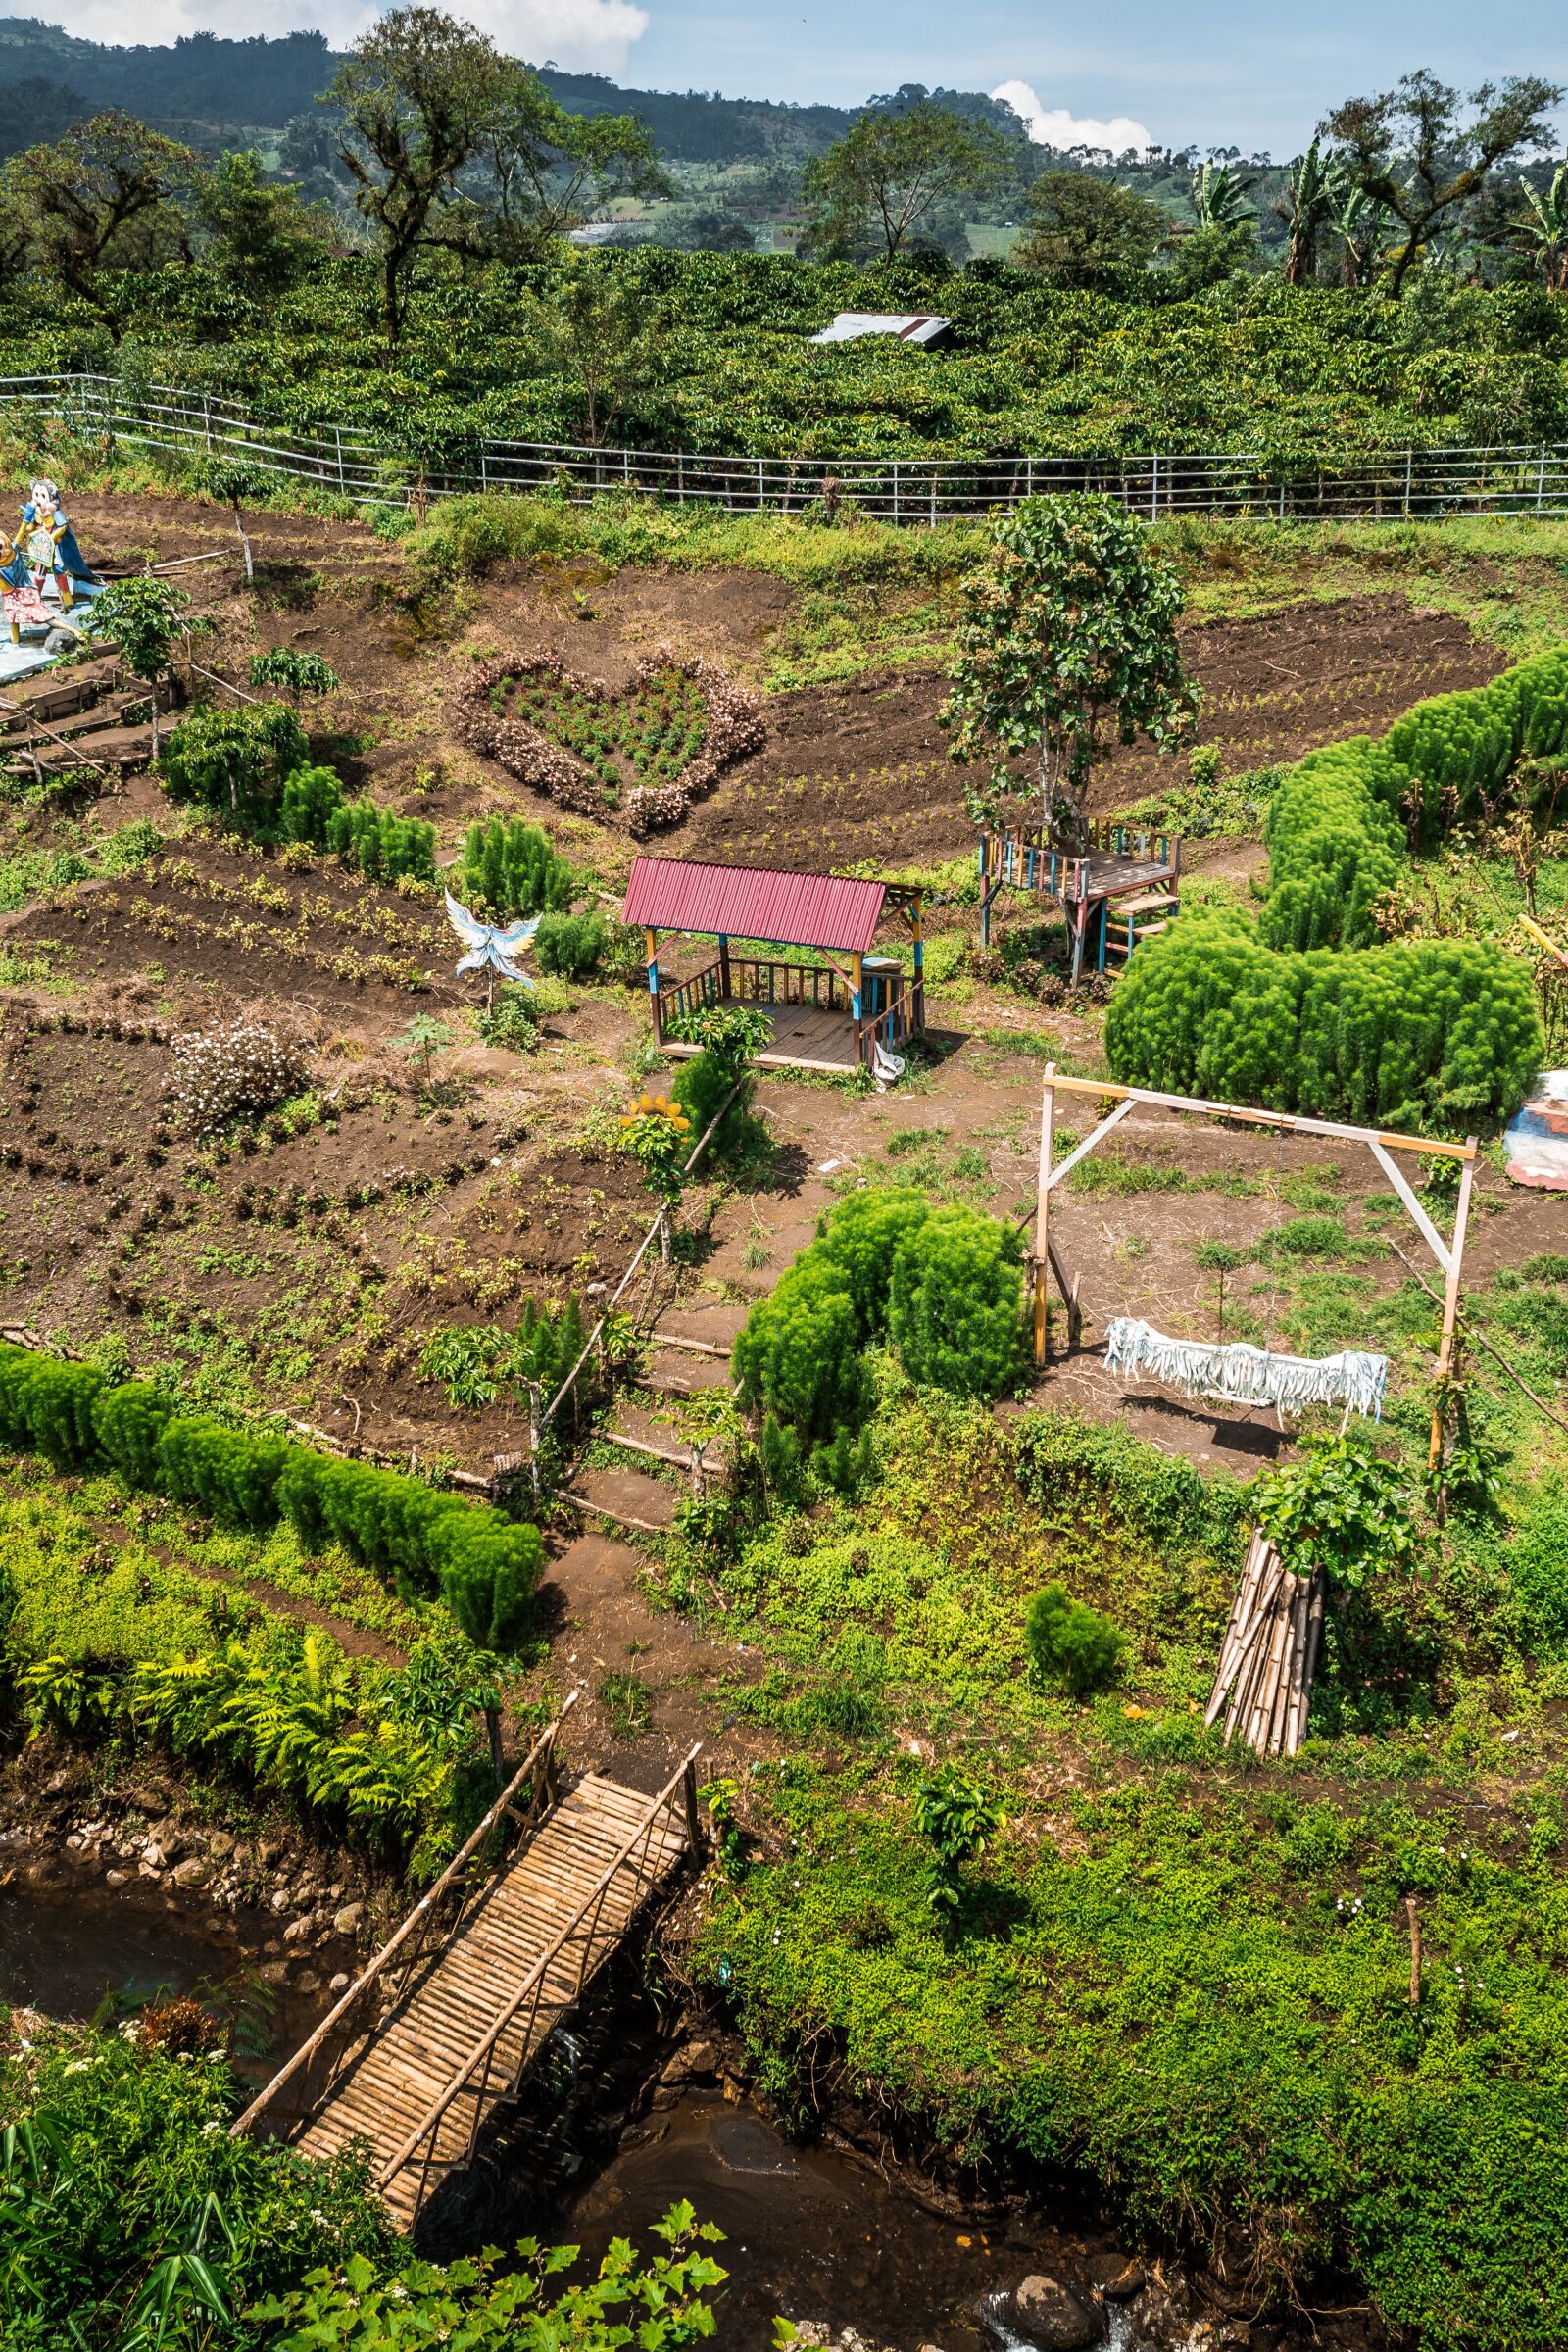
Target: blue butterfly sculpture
pixel 491 945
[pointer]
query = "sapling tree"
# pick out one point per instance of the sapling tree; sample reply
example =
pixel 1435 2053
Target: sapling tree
pixel 1072 1645
pixel 1068 632
pixel 147 616
pixel 423 1040
pixel 1341 1507
pixel 285 670
pixel 235 483
pixel 958 1816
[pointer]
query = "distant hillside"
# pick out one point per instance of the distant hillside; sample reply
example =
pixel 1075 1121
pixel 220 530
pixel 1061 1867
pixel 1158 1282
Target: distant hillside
pixel 201 79
pixel 204 82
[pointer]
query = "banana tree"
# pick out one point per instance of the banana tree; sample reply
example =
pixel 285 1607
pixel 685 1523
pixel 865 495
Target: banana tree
pixel 1219 197
pixel 1308 209
pixel 1543 230
pixel 1359 222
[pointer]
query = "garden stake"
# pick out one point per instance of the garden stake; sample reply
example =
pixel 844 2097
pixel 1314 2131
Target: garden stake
pixel 1415 1951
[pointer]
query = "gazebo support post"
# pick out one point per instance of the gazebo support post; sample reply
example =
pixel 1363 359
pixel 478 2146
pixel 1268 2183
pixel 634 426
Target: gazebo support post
pixel 723 969
pixel 857 999
pixel 917 990
pixel 652 938
pixel 1042 1255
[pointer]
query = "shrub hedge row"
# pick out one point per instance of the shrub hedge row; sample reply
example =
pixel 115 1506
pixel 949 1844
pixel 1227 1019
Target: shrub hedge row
pixel 1303 1012
pixel 942 1284
pixel 482 1564
pixel 1425 1034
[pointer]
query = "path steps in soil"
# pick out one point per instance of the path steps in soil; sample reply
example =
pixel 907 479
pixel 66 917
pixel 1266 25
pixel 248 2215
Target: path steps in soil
pixel 85 711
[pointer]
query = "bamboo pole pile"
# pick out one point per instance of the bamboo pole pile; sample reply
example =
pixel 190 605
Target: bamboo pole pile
pixel 1263 1685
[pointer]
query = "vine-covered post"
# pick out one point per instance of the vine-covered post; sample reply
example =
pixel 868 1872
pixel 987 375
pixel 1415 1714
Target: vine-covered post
pixel 1041 1257
pixel 1450 1307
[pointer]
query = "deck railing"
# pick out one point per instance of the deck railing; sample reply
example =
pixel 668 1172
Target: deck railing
pixel 760 980
pixel 356 465
pixel 1025 859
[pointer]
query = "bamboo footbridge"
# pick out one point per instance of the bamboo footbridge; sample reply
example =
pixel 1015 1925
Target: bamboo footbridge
pixel 442 2024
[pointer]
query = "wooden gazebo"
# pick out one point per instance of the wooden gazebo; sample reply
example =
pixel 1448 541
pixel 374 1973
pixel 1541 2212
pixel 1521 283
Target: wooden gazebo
pixel 836 1015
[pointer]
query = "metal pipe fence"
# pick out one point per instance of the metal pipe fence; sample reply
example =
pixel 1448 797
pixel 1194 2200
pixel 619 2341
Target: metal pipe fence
pixel 347 463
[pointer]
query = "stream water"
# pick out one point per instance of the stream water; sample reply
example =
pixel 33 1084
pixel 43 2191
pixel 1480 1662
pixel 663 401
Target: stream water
pixel 813 2232
pixel 67 1950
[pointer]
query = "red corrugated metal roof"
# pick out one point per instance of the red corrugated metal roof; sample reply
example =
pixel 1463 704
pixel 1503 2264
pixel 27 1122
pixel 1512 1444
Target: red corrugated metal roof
pixel 738 901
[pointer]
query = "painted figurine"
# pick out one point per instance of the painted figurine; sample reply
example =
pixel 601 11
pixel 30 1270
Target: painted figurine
pixel 20 597
pixel 50 543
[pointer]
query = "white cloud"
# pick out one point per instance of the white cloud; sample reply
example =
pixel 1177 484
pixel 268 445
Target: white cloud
pixel 1057 127
pixel 583 35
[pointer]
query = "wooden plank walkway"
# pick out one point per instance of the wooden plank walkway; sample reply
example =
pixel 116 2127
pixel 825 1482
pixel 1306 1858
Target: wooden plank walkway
pixel 470 2009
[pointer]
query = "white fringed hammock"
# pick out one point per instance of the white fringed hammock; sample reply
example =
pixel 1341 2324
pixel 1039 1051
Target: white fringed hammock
pixel 1235 1373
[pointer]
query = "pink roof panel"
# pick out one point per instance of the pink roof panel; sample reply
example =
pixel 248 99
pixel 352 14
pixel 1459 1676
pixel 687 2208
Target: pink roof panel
pixel 737 902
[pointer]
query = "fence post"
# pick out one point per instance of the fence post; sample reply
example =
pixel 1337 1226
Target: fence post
pixel 533 1436
pixel 1409 468
pixel 484 468
pixel 895 489
pixel 694 1822
pixel 1540 479
pixel 342 479
pixel 207 420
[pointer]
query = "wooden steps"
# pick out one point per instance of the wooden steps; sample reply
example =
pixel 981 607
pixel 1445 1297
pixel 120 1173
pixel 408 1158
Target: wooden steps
pixel 541 1928
pixel 1127 921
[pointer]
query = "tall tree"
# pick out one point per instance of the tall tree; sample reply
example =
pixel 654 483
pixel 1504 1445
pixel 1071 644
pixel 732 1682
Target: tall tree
pixel 1067 630
pixel 891 170
pixel 105 196
pixel 1410 151
pixel 420 96
pixel 549 168
pixel 599 332
pixel 1085 232
pixel 258 233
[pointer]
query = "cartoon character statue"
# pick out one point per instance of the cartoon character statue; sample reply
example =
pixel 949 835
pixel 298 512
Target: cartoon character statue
pixel 50 543
pixel 19 595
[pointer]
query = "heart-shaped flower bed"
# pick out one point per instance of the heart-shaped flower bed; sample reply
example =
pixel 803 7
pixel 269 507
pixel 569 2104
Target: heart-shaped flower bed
pixel 645 755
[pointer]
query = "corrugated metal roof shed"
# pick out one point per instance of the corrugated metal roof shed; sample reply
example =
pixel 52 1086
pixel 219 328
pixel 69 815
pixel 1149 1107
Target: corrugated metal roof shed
pixel 737 902
pixel 909 327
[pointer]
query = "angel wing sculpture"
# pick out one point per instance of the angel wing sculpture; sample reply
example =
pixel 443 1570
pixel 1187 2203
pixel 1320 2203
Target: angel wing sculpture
pixel 491 945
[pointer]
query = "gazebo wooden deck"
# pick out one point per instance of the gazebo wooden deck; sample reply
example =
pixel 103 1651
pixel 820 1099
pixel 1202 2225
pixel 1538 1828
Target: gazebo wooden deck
pixel 1125 887
pixel 839 1016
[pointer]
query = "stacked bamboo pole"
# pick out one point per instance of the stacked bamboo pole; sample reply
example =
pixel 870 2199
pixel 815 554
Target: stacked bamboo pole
pixel 1263 1685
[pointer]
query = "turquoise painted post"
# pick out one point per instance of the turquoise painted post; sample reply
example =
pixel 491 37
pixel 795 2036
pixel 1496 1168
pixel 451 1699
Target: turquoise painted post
pixel 1105 926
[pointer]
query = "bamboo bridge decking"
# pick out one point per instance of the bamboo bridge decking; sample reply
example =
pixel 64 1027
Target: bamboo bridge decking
pixel 447 2019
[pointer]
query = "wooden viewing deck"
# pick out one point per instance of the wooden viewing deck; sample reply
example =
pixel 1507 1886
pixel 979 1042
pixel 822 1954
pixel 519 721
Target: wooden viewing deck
pixel 447 2019
pixel 1124 886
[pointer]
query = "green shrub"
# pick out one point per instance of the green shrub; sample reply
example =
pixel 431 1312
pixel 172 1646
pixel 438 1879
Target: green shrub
pixel 860 1238
pixel 235 762
pixel 1070 1644
pixel 1432 1034
pixel 382 845
pixel 1335 847
pixel 226 1473
pixel 569 944
pixel 46 1406
pixel 955 1304
pixel 512 869
pixel 131 1421
pixel 799 1355
pixel 311 796
pixel 512 1020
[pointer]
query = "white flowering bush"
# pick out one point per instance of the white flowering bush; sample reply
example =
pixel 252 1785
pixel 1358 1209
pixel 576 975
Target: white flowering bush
pixel 236 1072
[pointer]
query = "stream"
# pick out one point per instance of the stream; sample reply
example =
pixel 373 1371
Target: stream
pixel 67 1950
pixel 815 2233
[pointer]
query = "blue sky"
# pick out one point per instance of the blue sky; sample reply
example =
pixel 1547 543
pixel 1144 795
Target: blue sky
pixel 1206 71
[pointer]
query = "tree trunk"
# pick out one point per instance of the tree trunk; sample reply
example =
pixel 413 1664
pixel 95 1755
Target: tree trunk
pixel 245 548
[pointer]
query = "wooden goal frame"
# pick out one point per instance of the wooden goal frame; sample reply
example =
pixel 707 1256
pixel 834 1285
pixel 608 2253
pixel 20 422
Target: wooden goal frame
pixel 1045 1259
